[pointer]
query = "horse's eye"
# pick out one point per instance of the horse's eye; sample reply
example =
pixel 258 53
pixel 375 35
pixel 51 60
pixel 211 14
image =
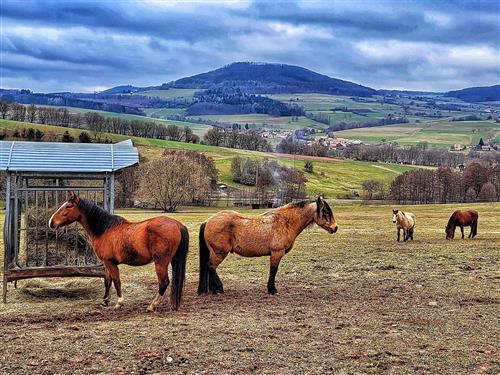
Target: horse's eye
pixel 69 206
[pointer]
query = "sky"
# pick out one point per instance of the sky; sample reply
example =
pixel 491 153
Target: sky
pixel 86 46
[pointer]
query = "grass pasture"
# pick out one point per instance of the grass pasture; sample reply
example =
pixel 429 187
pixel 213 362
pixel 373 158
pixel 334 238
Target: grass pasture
pixel 198 129
pixel 332 177
pixel 439 134
pixel 172 93
pixel 348 303
pixel 266 121
pixel 325 102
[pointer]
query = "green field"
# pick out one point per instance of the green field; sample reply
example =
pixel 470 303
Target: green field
pixel 332 177
pixel 265 121
pixel 439 134
pixel 325 102
pixel 186 94
pixel 163 113
pixel 198 129
pixel 353 302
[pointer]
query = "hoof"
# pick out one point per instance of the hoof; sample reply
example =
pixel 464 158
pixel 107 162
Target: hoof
pixel 105 302
pixel 272 290
pixel 119 303
pixel 150 308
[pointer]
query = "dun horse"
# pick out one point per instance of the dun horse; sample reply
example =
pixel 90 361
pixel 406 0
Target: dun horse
pixel 462 219
pixel 270 234
pixel 405 221
pixel 118 241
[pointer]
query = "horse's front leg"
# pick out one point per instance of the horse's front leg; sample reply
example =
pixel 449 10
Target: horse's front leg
pixel 462 230
pixel 399 235
pixel 405 235
pixel 107 287
pixel 115 276
pixel 275 262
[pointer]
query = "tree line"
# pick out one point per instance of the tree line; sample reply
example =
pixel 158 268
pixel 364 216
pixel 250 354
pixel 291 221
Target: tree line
pixel 477 182
pixel 95 122
pixel 419 154
pixel 229 101
pixel 250 140
pixel 98 124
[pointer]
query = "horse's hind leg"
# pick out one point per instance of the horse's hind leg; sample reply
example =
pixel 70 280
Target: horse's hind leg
pixel 214 282
pixel 462 230
pixel 161 268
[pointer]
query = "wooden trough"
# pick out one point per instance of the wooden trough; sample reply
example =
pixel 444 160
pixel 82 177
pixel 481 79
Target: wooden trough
pixel 38 175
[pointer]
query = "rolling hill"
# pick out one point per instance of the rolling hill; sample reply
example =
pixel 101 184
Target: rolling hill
pixel 477 94
pixel 261 78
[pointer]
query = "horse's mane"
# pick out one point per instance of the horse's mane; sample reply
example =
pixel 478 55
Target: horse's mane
pixel 451 221
pixel 300 204
pixel 98 220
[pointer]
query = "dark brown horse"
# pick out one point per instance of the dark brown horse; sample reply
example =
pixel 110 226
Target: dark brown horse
pixel 465 218
pixel 270 234
pixel 118 241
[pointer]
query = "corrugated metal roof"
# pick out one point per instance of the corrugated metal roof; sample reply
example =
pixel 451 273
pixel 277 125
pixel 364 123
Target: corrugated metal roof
pixel 66 157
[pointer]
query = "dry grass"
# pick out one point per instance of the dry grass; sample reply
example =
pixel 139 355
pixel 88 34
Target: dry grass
pixel 353 302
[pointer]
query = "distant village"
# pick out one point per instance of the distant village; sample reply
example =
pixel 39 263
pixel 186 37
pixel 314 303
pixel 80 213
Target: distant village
pixel 329 141
pixel 332 142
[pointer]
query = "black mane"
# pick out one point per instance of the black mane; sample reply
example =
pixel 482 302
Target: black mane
pixel 98 220
pixel 300 204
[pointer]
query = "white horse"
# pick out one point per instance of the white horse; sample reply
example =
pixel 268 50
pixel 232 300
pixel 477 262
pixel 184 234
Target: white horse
pixel 405 221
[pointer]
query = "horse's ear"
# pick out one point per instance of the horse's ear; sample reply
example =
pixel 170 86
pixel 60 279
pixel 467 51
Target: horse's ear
pixel 71 196
pixel 319 204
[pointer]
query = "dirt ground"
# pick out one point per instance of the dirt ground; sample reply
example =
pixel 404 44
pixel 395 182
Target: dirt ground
pixel 352 302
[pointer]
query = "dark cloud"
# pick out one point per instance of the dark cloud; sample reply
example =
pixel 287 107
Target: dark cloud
pixel 84 45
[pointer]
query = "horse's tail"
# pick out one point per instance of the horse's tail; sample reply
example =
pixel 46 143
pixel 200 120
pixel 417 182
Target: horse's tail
pixel 179 269
pixel 204 260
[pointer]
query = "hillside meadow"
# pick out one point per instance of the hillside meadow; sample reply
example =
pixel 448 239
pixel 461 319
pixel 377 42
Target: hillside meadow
pixel 352 302
pixel 436 134
pixel 332 177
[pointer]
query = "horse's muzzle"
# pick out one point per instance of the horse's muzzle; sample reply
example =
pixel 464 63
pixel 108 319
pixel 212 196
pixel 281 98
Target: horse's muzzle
pixel 333 230
pixel 394 221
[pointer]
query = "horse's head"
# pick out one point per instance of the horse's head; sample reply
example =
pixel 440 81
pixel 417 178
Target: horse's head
pixel 394 215
pixel 324 216
pixel 450 232
pixel 68 212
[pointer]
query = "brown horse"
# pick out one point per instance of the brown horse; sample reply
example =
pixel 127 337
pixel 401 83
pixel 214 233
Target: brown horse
pixel 118 241
pixel 462 219
pixel 270 234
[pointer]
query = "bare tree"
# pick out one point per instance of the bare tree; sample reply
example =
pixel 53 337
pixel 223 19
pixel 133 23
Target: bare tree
pixel 4 108
pixel 171 181
pixel 95 123
pixel 31 113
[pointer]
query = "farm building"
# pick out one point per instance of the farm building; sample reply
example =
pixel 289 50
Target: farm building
pixel 38 176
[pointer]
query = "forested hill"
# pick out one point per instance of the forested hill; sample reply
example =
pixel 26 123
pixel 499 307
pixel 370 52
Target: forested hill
pixel 257 78
pixel 477 94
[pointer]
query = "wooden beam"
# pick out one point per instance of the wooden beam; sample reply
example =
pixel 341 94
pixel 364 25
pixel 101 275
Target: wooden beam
pixel 28 273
